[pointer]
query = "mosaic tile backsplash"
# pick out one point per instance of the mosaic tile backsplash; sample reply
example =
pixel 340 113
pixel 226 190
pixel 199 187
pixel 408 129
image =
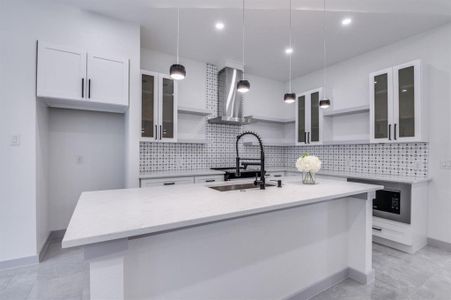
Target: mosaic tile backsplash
pixel 404 159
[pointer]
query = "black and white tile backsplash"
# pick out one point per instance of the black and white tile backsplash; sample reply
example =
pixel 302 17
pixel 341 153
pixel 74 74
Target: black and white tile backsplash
pixel 405 159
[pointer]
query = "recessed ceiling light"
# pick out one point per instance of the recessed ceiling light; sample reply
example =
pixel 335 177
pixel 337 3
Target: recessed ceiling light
pixel 288 50
pixel 219 25
pixel 346 21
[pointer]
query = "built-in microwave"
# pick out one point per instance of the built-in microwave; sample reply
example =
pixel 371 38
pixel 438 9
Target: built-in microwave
pixel 393 202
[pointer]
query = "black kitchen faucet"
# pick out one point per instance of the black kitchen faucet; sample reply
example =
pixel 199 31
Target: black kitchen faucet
pixel 239 160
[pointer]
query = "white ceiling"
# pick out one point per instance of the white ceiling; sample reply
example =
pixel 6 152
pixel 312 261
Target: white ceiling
pixel 375 23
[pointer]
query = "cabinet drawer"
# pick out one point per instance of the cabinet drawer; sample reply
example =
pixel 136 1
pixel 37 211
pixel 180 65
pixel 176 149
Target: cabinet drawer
pixel 208 179
pixel 166 181
pixel 275 174
pixel 390 230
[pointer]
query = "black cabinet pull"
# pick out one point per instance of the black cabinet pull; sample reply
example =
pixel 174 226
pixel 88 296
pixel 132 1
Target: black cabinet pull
pixel 389 132
pixel 161 132
pixel 169 183
pixel 210 180
pixel 277 175
pixel 156 132
pixel 89 88
pixel 394 132
pixel 305 137
pixel 308 137
pixel 82 87
pixel 377 228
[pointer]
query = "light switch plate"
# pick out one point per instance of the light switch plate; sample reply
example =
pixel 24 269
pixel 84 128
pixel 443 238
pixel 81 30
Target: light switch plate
pixel 15 140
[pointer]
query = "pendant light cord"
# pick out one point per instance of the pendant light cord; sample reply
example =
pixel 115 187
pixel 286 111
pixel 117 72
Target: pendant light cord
pixel 291 47
pixel 178 33
pixel 242 42
pixel 324 49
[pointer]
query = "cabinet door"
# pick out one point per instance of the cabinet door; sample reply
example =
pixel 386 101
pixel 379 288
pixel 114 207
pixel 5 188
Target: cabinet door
pixel 381 106
pixel 149 105
pixel 168 110
pixel 315 117
pixel 301 113
pixel 406 110
pixel 61 72
pixel 107 80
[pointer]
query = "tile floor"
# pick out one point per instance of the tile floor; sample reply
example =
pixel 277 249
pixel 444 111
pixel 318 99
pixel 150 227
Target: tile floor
pixel 426 275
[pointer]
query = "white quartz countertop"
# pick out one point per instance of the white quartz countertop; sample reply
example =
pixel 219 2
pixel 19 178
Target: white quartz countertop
pixel 391 178
pixel 180 173
pixel 115 214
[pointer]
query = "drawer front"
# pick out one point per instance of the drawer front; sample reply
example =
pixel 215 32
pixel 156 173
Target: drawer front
pixel 209 179
pixel 275 174
pixel 400 233
pixel 166 181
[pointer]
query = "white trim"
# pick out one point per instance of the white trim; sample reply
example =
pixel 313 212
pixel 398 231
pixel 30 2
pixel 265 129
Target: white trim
pixel 417 101
pixel 19 262
pixel 439 244
pixel 389 72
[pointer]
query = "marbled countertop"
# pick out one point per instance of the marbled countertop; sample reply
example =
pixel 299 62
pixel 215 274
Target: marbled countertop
pixel 205 172
pixel 102 216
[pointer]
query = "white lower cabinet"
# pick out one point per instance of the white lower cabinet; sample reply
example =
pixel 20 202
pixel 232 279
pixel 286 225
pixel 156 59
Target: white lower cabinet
pixel 406 237
pixel 166 181
pixel 209 179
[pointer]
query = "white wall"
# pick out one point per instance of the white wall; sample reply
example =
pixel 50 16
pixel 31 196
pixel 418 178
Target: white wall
pixel 348 86
pixel 21 24
pixel 86 153
pixel 265 98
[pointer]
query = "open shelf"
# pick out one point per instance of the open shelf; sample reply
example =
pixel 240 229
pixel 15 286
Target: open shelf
pixel 347 111
pixel 272 120
pixel 193 111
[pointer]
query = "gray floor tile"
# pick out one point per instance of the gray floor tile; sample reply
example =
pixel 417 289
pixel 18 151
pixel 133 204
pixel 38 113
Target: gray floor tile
pixel 425 275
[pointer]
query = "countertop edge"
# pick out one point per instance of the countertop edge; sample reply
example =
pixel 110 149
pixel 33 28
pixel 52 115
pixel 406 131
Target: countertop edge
pixel 205 220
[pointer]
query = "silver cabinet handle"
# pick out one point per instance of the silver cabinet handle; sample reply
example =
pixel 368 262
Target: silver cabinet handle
pixel 168 183
pixel 82 87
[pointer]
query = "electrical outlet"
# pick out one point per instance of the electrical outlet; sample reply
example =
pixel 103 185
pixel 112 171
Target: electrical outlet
pixel 445 164
pixel 15 140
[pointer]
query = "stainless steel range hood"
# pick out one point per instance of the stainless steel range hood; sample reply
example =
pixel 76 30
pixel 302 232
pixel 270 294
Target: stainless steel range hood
pixel 230 103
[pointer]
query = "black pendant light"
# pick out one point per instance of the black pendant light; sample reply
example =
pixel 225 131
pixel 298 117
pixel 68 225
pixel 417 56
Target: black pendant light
pixel 243 86
pixel 177 71
pixel 324 102
pixel 290 97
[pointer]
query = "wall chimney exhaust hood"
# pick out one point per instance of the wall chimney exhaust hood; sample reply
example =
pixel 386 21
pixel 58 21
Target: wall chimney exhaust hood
pixel 230 103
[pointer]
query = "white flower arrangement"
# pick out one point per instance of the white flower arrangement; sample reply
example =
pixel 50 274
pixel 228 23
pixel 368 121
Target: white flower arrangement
pixel 308 163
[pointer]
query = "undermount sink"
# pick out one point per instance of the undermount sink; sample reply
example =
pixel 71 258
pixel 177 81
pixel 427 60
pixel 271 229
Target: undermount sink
pixel 238 186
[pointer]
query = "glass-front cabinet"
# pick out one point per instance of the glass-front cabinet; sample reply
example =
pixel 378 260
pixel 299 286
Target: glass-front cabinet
pixel 159 107
pixel 395 110
pixel 308 118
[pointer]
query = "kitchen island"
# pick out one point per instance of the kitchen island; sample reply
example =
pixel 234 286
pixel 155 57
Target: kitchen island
pixel 193 242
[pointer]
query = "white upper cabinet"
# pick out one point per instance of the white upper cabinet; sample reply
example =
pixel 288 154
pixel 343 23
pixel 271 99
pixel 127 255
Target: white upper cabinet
pixel 72 78
pixel 309 118
pixel 396 105
pixel 107 80
pixel 61 72
pixel 159 107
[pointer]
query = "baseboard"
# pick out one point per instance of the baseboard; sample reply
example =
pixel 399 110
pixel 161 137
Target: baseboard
pixel 398 246
pixel 54 236
pixel 19 262
pixel 439 244
pixel 361 277
pixel 332 281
